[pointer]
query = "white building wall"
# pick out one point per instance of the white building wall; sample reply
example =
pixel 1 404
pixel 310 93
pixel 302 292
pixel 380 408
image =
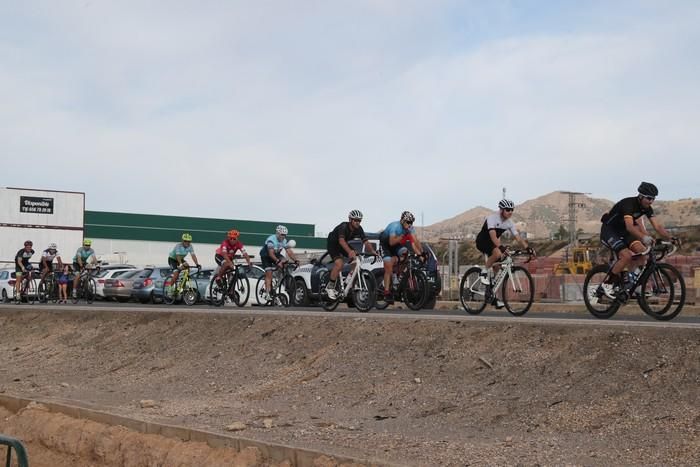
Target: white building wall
pixel 63 226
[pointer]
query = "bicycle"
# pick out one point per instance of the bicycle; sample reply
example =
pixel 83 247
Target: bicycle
pixel 186 287
pixel 410 285
pixel 48 288
pixel 86 285
pixel 360 284
pixel 27 288
pixel 514 282
pixel 282 287
pixel 657 288
pixel 234 285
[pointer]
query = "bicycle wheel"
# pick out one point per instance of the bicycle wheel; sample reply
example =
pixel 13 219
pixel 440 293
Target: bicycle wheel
pixel 241 290
pixel 43 291
pixel 597 303
pixel 363 292
pixel 31 291
pixel 89 290
pixel 190 292
pixel 518 291
pixel 169 290
pixel 414 289
pixel 472 292
pixel 286 289
pixel 216 293
pixel 662 294
pixel 260 293
pixel 379 301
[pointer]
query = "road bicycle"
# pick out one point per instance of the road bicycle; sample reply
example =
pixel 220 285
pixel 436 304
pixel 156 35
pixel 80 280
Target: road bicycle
pixel 282 291
pixel 48 287
pixel 185 289
pixel 514 283
pixel 86 285
pixel 234 286
pixel 659 288
pixel 27 287
pixel 359 284
pixel 409 283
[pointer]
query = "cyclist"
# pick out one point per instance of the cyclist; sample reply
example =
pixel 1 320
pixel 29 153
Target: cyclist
pixel 488 240
pixel 22 265
pixel 393 241
pixel 623 233
pixel 338 247
pixel 47 257
pixel 271 255
pixel 226 251
pixel 176 258
pixel 83 256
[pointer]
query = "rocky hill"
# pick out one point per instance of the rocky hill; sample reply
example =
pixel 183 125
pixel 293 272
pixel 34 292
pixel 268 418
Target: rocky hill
pixel 542 217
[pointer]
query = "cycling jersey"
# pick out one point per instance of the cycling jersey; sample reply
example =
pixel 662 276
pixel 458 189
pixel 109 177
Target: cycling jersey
pixel 83 254
pixel 344 231
pixel 497 223
pixel 180 250
pixel 48 256
pixel 627 207
pixel 274 243
pixel 23 257
pixel 395 228
pixel 230 248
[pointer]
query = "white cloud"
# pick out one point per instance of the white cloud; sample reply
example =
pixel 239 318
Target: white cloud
pixel 302 111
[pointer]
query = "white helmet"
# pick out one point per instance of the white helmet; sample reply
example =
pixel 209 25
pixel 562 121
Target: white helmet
pixel 52 246
pixel 506 204
pixel 282 230
pixel 355 214
pixel 291 243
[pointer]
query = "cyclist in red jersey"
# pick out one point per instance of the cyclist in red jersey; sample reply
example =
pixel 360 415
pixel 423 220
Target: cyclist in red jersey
pixel 226 251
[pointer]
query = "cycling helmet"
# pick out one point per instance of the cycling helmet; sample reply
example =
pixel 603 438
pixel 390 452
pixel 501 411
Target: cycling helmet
pixel 28 243
pixel 648 189
pixel 506 204
pixel 52 246
pixel 407 217
pixel 186 237
pixel 282 230
pixel 87 242
pixel 233 234
pixel 355 214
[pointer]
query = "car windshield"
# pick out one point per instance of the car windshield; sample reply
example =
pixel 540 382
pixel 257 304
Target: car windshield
pixel 130 274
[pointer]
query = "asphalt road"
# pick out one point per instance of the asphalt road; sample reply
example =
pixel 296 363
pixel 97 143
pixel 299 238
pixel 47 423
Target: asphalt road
pixel 632 315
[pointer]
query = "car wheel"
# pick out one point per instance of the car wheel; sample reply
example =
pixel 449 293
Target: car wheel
pixel 301 293
pixel 122 299
pixel 430 303
pixel 5 298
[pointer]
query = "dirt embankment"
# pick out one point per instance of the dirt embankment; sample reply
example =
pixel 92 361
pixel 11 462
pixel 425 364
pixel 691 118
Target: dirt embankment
pixel 410 392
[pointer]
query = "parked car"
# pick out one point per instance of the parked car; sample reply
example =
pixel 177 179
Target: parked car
pixel 203 277
pixel 7 282
pixel 104 274
pixel 120 288
pixel 148 288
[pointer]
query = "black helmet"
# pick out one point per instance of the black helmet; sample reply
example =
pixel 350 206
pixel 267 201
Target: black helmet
pixel 648 189
pixel 406 216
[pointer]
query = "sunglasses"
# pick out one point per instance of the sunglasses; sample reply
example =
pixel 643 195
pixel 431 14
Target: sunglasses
pixel 650 198
pixel 356 220
pixel 508 209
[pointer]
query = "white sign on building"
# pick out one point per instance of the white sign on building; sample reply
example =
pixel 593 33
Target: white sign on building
pixel 42 216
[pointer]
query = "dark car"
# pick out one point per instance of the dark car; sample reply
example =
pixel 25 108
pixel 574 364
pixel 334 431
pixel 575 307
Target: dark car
pixel 148 286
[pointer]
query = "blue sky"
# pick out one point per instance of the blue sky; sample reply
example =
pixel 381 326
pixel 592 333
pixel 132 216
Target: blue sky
pixel 301 111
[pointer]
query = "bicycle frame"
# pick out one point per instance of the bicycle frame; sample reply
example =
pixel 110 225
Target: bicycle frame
pixel 349 281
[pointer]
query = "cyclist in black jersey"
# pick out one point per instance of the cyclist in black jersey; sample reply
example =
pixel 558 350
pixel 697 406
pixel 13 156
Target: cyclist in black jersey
pixel 624 232
pixel 22 265
pixel 338 247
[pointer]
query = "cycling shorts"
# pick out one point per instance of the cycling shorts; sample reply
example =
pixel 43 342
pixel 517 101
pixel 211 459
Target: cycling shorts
pixel 485 245
pixel 616 240
pixel 172 263
pixel 219 259
pixel 389 251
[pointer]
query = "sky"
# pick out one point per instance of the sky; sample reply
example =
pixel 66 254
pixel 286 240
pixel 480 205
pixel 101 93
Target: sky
pixel 299 111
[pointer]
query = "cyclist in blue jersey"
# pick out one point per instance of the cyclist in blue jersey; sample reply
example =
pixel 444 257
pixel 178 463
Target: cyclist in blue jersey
pixel 176 258
pixel 83 256
pixel 393 241
pixel 271 255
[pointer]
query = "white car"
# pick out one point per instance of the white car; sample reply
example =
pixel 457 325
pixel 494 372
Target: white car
pixel 7 284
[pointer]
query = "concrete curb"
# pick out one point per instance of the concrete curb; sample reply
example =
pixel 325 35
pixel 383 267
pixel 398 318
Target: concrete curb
pixel 276 452
pixel 631 308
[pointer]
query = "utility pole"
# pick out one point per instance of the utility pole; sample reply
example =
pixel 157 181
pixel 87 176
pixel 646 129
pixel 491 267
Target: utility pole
pixel 504 193
pixel 573 205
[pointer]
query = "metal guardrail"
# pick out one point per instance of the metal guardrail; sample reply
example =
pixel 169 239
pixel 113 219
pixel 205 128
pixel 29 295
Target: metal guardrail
pixel 17 445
